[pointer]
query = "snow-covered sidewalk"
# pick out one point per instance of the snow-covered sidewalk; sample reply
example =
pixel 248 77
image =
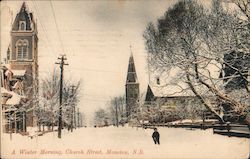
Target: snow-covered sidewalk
pixel 126 142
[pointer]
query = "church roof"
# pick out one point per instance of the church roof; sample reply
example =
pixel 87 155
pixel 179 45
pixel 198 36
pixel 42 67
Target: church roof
pixel 25 16
pixel 170 90
pixel 173 82
pixel 131 74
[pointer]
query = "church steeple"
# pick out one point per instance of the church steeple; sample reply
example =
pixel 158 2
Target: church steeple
pixel 131 74
pixel 24 20
pixel 132 89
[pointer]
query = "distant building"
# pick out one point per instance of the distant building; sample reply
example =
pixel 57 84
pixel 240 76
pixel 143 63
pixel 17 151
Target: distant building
pixel 22 57
pixel 132 89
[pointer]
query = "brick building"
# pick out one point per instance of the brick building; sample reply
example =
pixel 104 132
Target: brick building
pixel 22 59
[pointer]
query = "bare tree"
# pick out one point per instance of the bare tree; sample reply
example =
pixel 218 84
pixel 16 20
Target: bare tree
pixel 117 110
pixel 196 41
pixel 101 118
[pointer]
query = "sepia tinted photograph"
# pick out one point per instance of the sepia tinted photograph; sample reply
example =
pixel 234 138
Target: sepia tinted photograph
pixel 125 79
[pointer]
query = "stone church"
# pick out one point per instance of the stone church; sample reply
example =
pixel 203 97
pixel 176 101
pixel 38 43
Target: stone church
pixel 132 89
pixel 22 58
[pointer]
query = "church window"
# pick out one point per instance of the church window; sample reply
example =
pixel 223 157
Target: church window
pixel 25 49
pixel 19 50
pixel 8 55
pixel 22 49
pixel 22 25
pixel 158 80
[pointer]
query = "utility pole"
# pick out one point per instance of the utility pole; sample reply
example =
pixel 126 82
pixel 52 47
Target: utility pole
pixel 73 107
pixel 78 118
pixel 61 63
pixel 116 112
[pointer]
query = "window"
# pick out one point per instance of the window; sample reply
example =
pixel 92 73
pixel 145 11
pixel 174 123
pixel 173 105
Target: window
pixel 25 49
pixel 158 80
pixel 22 25
pixel 8 55
pixel 22 49
pixel 19 50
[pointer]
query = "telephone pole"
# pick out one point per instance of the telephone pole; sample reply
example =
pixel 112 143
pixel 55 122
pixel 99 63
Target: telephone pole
pixel 78 118
pixel 116 112
pixel 61 63
pixel 72 107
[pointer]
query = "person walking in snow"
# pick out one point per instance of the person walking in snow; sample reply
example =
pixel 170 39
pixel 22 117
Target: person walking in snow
pixel 156 136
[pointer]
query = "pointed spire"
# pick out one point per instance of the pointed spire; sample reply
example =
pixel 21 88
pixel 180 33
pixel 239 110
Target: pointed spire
pixel 23 8
pixel 131 58
pixel 25 18
pixel 131 53
pixel 131 74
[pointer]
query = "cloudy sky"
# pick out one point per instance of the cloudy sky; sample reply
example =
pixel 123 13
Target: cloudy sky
pixel 95 36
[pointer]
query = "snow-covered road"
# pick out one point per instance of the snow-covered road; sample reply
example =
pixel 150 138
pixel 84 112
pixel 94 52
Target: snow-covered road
pixel 126 142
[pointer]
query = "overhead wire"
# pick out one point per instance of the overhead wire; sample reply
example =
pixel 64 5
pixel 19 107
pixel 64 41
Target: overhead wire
pixel 57 28
pixel 43 29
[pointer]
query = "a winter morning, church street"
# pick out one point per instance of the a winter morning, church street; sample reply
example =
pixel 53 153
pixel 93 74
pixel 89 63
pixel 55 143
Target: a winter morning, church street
pixel 125 79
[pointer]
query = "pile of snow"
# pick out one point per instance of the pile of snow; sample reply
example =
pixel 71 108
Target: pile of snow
pixel 189 121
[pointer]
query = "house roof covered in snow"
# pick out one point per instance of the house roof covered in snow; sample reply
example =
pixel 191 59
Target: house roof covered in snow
pixel 6 65
pixel 15 98
pixel 18 73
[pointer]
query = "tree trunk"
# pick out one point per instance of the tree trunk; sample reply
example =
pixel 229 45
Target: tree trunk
pixel 206 103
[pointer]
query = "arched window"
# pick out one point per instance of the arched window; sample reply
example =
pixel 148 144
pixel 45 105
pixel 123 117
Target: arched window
pixel 22 25
pixel 25 50
pixel 19 49
pixel 22 49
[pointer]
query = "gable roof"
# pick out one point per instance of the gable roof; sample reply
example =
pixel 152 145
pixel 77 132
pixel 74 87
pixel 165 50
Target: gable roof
pixel 169 91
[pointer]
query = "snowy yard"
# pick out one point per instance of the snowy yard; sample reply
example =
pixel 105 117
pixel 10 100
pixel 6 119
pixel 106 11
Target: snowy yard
pixel 126 142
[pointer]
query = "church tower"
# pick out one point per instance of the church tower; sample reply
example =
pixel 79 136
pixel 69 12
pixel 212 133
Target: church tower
pixel 23 55
pixel 132 89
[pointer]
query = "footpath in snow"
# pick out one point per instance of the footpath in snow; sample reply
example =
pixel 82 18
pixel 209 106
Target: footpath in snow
pixel 126 142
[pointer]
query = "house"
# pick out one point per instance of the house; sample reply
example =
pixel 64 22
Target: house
pixel 13 112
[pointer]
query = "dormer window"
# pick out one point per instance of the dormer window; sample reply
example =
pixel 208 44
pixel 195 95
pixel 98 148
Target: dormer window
pixel 22 25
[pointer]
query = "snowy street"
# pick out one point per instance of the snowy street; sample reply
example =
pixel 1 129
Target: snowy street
pixel 126 142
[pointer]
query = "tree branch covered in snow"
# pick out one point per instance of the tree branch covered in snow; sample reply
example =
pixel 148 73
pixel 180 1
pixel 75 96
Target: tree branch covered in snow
pixel 48 109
